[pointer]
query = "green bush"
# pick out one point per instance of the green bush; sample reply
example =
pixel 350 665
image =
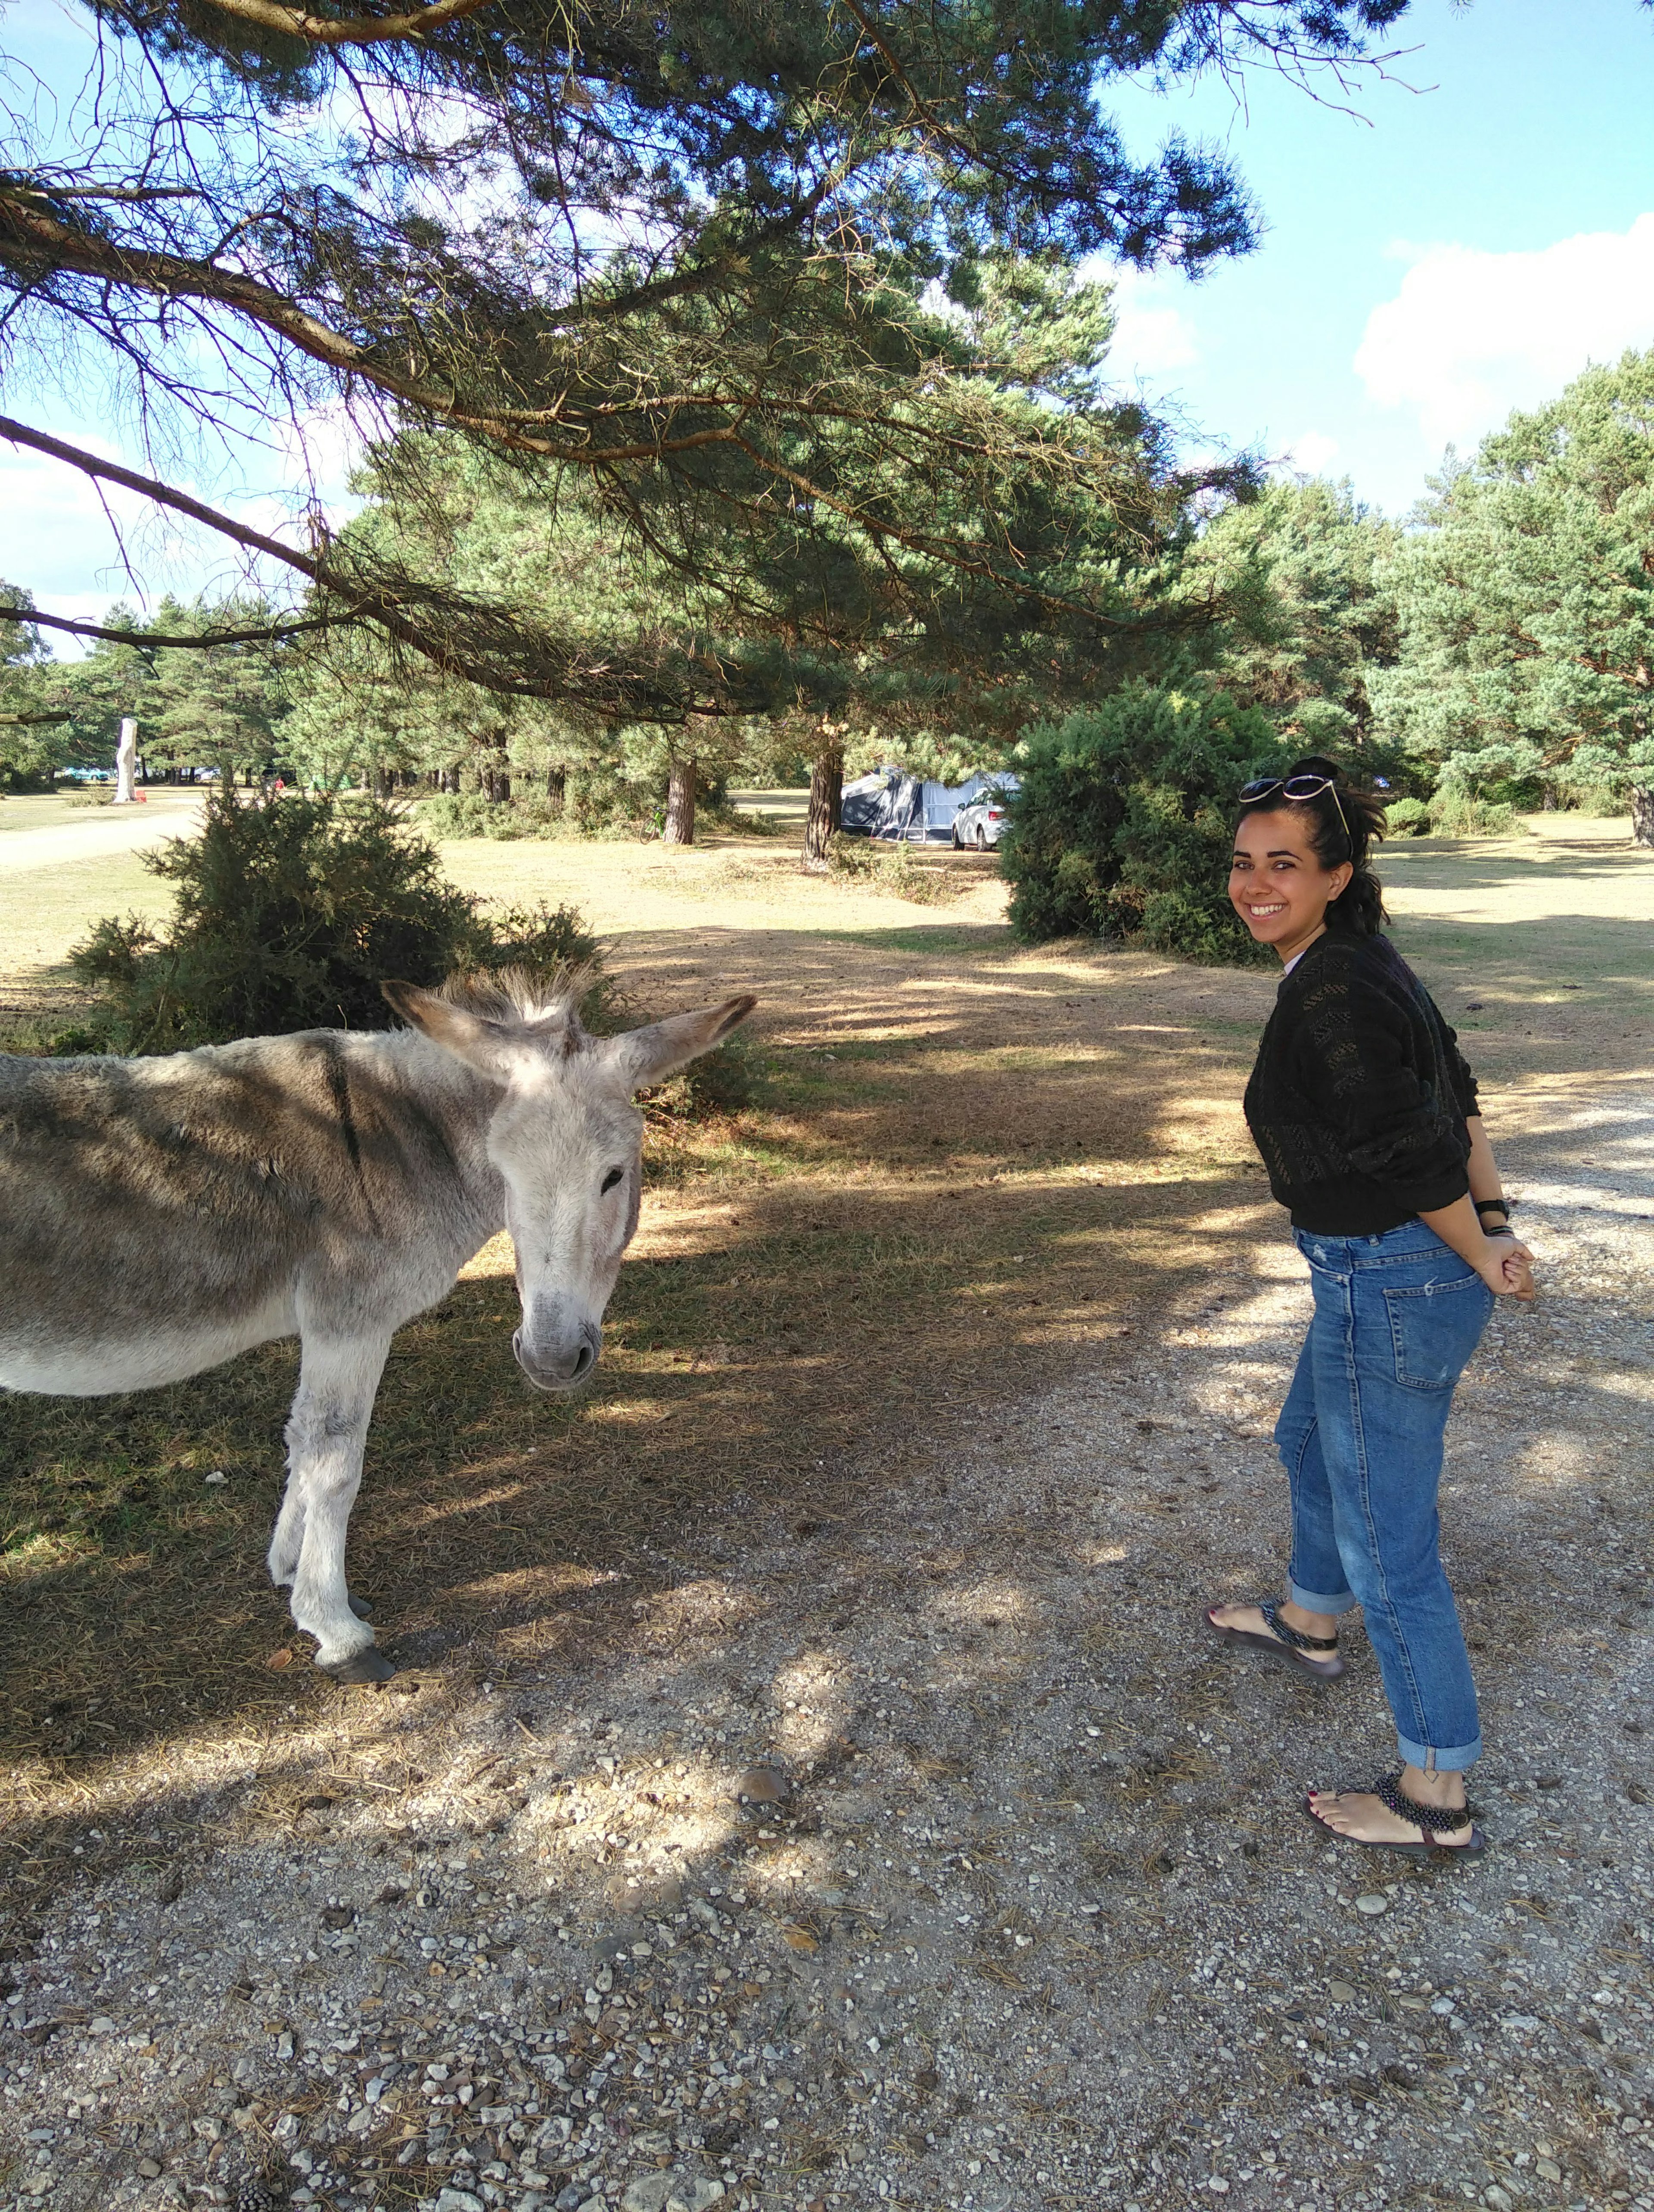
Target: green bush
pixel 472 814
pixel 289 913
pixel 1121 826
pixel 1407 817
pixel 1456 812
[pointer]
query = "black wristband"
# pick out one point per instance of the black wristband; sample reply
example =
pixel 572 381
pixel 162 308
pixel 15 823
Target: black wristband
pixel 1487 1204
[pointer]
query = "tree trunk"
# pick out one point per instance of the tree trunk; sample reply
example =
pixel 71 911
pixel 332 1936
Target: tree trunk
pixel 826 788
pixel 680 827
pixel 1642 813
pixel 126 761
pixel 557 788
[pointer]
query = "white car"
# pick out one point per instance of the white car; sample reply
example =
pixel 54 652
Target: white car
pixel 981 821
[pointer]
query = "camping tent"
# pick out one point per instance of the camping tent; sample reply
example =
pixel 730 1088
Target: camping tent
pixel 890 804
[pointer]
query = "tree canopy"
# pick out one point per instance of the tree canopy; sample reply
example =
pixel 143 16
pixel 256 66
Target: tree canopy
pixel 1526 602
pixel 1309 619
pixel 688 257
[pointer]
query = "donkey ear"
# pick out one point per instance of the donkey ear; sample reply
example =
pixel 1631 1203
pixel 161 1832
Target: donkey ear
pixel 644 1056
pixel 480 1043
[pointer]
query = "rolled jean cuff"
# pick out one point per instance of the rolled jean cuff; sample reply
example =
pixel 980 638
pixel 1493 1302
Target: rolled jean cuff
pixel 1444 1762
pixel 1313 1601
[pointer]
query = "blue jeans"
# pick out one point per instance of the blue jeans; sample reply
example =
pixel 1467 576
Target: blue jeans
pixel 1397 1318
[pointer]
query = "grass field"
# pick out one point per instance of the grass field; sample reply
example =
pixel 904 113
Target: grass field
pixel 968 1162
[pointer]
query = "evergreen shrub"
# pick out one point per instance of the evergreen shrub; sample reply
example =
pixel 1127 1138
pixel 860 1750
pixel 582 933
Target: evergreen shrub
pixel 1121 826
pixel 473 814
pixel 289 912
pixel 1407 817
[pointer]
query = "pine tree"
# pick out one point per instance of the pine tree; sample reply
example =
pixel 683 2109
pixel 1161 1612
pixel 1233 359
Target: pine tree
pixel 1526 603
pixel 675 254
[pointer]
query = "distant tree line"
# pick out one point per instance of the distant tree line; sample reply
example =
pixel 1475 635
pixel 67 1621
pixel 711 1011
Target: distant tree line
pixel 1493 652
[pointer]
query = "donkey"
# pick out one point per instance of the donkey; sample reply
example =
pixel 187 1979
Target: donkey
pixel 159 1216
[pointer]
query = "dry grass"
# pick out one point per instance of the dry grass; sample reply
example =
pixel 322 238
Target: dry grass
pixel 970 1162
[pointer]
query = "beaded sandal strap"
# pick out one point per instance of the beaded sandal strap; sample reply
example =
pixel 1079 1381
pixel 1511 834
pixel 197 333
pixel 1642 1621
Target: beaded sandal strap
pixel 1433 1820
pixel 1271 1610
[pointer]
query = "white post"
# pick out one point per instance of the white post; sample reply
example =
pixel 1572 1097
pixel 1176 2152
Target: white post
pixel 127 762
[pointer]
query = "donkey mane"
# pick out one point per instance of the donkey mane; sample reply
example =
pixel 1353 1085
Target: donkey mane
pixel 524 998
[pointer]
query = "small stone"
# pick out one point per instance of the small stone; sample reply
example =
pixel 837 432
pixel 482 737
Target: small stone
pixel 101 2025
pixel 1217 2185
pixel 1547 2169
pixel 649 2193
pixel 150 2168
pixel 1499 2199
pixel 458 2200
pixel 761 1786
pixel 218 1475
pixel 1372 1903
pixel 1341 1992
pixel 697 2195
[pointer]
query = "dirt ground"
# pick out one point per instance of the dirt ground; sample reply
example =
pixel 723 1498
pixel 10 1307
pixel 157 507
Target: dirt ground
pixel 807 1783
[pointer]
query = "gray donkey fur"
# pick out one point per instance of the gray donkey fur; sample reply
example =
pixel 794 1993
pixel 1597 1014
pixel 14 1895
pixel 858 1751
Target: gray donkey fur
pixel 158 1216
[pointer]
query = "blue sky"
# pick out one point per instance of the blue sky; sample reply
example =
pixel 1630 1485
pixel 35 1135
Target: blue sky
pixel 1456 252
pixel 1429 261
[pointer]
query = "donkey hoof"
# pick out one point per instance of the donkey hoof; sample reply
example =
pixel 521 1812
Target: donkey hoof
pixel 368 1665
pixel 361 1607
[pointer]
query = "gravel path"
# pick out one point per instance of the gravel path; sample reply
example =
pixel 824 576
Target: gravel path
pixel 1019 1910
pixel 28 847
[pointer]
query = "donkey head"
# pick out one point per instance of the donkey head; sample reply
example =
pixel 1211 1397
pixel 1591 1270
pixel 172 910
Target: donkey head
pixel 566 1139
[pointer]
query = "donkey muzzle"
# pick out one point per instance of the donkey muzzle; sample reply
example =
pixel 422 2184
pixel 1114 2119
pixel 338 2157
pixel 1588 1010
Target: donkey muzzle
pixel 557 1358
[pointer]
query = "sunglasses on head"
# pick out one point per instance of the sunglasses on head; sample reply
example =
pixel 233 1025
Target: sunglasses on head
pixel 1294 787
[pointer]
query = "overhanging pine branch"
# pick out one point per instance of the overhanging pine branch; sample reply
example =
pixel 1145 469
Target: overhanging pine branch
pixel 510 661
pixel 347 30
pixel 147 640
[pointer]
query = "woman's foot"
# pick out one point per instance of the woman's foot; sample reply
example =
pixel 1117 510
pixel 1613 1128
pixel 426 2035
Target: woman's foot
pixel 1395 1815
pixel 1310 1642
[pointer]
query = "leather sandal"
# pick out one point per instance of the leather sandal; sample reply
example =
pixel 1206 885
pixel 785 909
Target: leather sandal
pixel 1430 1820
pixel 1296 1650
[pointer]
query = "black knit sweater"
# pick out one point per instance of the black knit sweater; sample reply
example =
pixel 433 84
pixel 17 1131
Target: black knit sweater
pixel 1358 1099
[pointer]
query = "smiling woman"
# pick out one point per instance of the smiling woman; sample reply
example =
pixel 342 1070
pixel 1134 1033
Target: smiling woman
pixel 1366 1116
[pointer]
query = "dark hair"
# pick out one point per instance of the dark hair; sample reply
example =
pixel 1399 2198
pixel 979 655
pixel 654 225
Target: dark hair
pixel 1344 823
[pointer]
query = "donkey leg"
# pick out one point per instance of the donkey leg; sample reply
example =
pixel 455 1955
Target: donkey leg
pixel 326 1431
pixel 287 1538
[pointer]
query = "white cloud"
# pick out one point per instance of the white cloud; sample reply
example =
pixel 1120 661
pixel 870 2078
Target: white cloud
pixel 1311 455
pixel 1152 334
pixel 1471 335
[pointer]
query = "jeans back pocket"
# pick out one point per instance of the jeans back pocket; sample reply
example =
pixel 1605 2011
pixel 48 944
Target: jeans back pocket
pixel 1434 1330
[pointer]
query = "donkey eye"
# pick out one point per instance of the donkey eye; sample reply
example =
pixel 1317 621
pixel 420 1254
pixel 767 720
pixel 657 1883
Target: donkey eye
pixel 611 1179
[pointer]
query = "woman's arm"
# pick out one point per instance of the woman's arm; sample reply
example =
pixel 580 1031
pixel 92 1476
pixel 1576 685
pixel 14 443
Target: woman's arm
pixel 1482 1167
pixel 1503 1263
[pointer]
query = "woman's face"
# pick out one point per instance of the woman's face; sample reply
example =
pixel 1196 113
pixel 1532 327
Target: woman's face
pixel 1277 885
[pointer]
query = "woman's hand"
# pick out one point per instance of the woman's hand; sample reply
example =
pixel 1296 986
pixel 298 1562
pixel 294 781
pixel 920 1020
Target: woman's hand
pixel 1505 1265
